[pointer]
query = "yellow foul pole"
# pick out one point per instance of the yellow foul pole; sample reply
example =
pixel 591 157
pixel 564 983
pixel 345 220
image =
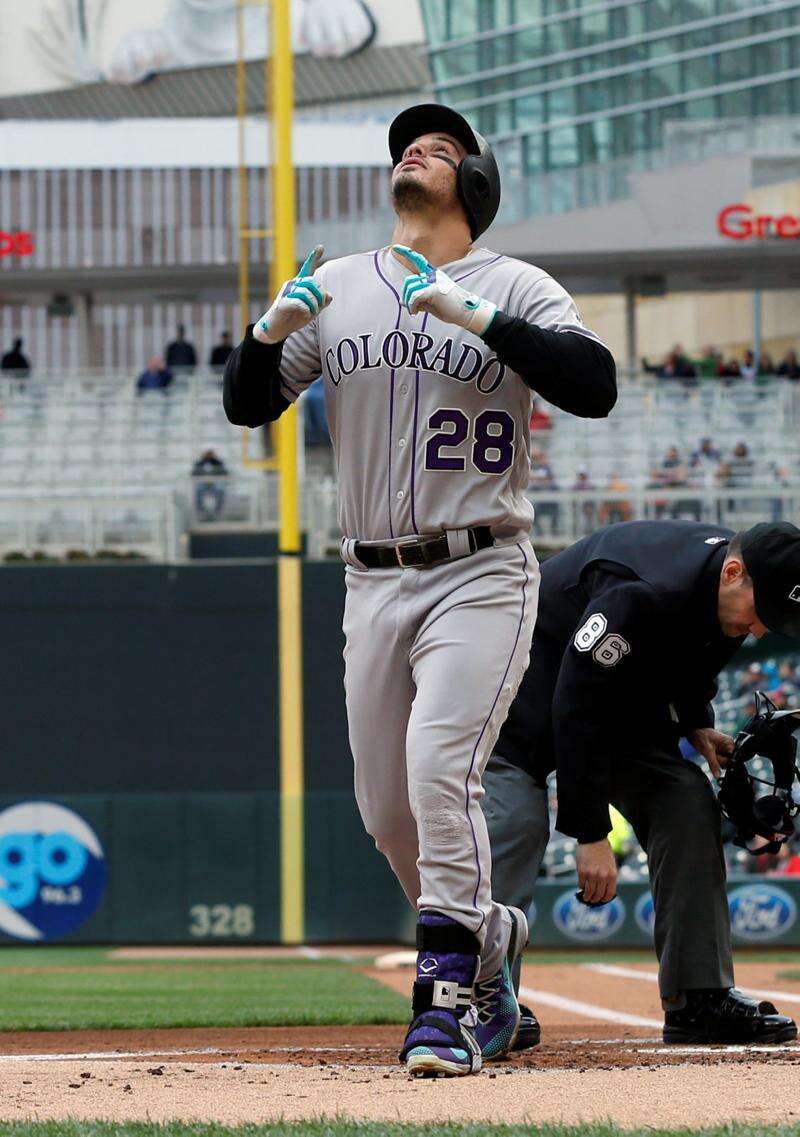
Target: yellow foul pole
pixel 290 652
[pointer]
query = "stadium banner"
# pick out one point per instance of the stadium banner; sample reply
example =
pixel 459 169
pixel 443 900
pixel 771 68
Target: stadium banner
pixel 203 868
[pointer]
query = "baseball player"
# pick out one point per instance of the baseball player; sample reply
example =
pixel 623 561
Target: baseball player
pixel 430 350
pixel 636 621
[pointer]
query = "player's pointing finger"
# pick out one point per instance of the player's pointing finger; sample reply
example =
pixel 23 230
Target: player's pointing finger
pixel 312 261
pixel 415 260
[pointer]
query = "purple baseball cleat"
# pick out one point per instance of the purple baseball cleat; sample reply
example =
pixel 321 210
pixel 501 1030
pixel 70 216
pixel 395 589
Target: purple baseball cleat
pixel 496 1000
pixel 440 1039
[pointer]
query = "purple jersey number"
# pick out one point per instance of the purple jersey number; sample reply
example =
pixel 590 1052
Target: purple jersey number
pixel 492 447
pixel 458 423
pixel 493 451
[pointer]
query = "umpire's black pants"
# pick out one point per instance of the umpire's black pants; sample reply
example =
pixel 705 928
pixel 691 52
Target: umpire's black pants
pixel 675 816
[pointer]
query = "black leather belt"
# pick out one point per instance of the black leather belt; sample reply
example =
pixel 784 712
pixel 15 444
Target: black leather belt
pixel 422 553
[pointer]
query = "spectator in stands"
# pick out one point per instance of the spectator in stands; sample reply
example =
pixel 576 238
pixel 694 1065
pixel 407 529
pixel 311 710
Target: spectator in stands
pixel 540 419
pixel 703 463
pixel 741 466
pixel 181 353
pixel 15 361
pixel 671 474
pixel 672 471
pixel 584 484
pixel 155 377
pixel 615 510
pixel 748 368
pixel 209 494
pixel 220 352
pixel 789 368
pixel 709 364
pixel 765 364
pixel 732 369
pixel 676 365
pixel 543 482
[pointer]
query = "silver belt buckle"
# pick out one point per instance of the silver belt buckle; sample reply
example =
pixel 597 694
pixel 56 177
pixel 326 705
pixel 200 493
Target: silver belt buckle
pixel 399 554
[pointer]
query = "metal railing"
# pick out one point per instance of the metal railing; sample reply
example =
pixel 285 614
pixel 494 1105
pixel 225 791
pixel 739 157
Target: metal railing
pixel 73 526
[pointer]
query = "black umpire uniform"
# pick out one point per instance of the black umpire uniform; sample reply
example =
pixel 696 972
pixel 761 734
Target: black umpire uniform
pixel 625 655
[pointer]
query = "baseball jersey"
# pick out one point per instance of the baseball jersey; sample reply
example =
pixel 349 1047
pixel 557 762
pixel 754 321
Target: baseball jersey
pixel 429 428
pixel 627 646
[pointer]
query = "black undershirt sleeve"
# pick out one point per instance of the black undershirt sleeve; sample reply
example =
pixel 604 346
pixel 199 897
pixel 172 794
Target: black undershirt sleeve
pixel 568 369
pixel 251 383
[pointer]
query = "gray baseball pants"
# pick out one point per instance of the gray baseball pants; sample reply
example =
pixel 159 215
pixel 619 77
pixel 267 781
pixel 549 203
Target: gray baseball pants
pixel 433 659
pixel 675 816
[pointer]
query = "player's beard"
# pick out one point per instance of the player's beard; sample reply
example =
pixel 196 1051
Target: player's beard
pixel 410 196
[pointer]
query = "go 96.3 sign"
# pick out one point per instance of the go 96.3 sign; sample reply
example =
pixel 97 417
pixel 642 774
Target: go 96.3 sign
pixel 52 871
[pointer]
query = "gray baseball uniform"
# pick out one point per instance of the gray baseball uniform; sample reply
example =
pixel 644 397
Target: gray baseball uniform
pixel 430 433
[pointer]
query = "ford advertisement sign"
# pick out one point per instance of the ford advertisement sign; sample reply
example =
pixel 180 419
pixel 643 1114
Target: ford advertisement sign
pixel 761 912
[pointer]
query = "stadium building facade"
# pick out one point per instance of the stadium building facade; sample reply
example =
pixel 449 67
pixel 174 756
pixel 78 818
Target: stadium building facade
pixel 624 130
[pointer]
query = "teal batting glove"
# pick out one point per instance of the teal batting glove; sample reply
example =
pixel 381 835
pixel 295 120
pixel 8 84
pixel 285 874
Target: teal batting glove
pixel 428 289
pixel 299 301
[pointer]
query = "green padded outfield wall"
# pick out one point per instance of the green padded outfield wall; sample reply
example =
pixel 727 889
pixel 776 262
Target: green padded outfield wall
pixel 139 711
pixel 138 786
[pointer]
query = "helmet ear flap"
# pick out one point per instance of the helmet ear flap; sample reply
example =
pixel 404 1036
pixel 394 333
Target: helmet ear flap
pixel 478 187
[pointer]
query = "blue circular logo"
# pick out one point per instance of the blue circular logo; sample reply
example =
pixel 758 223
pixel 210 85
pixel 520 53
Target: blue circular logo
pixel 761 912
pixel 52 871
pixel 579 922
pixel 645 914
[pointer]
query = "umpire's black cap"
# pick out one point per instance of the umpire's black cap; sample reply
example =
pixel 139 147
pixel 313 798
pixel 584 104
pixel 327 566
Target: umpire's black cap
pixel 771 554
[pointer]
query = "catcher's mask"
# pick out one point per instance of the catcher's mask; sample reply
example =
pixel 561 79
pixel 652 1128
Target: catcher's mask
pixel 764 820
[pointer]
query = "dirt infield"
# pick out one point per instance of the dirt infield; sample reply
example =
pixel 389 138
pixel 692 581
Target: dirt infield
pixel 601 1058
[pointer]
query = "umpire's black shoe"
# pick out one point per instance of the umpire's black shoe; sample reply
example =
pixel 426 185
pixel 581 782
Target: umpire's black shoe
pixel 529 1033
pixel 726 1015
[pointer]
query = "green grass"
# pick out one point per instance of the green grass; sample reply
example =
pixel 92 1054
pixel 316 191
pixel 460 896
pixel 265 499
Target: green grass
pixel 185 994
pixel 336 1128
pixel 792 974
pixel 77 988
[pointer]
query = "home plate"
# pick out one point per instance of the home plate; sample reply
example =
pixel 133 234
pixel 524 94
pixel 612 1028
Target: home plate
pixel 395 959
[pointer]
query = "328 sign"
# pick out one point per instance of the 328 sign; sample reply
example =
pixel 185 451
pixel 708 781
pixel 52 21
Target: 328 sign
pixel 17 244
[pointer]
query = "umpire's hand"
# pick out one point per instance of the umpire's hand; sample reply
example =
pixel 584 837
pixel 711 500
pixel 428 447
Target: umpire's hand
pixel 597 872
pixel 714 746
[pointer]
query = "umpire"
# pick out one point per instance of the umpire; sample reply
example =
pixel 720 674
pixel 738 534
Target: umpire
pixel 635 623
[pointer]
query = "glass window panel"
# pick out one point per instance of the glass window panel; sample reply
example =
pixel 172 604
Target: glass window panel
pixel 628 21
pixel 660 14
pixel 699 73
pixel 734 104
pixel 739 29
pixel 700 37
pixel 770 57
pixel 530 110
pixel 667 45
pixel 735 65
pixel 594 142
pixel 701 109
pixel 530 42
pixel 772 99
pixel 663 81
pixel 594 97
pixel 562 36
pixel 593 28
pixel 561 103
pixel 698 10
pixel 532 153
pixel 562 145
pixel 455 62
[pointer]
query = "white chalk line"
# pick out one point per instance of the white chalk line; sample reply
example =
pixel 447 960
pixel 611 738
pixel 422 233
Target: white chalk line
pixel 652 977
pixel 587 1010
pixel 711 1050
pixel 173 1055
